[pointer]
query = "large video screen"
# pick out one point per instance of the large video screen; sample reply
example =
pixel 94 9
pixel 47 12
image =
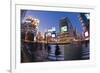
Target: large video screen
pixel 64 29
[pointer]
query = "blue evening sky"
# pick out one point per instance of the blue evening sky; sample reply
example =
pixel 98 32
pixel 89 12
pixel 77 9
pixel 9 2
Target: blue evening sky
pixel 49 19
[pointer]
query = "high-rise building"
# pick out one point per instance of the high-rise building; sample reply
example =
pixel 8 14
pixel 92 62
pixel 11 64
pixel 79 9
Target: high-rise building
pixel 85 22
pixel 66 26
pixel 84 19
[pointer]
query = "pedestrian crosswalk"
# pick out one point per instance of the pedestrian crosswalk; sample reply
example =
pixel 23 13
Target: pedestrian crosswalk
pixel 52 57
pixel 43 55
pixel 85 52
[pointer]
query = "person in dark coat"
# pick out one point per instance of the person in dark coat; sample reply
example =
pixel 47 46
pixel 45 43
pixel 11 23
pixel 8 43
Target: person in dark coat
pixel 57 51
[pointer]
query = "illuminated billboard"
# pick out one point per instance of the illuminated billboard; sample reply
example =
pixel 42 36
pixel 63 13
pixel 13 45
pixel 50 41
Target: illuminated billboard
pixel 64 29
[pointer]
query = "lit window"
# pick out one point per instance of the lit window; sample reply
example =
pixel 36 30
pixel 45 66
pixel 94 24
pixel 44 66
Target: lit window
pixel 49 34
pixel 86 34
pixel 88 16
pixel 53 35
